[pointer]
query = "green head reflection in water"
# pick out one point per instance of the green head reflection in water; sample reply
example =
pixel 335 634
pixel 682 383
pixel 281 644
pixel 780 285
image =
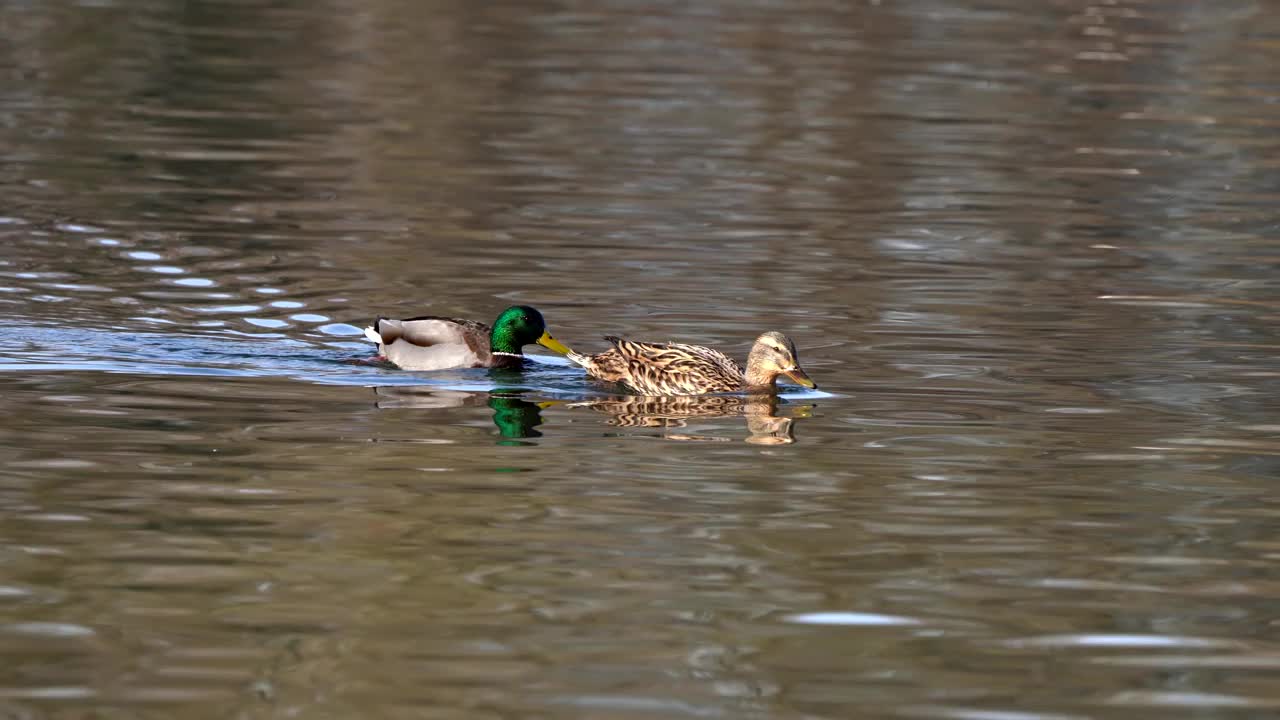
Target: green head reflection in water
pixel 516 418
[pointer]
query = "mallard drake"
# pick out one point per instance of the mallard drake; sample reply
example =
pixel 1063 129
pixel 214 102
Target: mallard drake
pixel 439 343
pixel 677 369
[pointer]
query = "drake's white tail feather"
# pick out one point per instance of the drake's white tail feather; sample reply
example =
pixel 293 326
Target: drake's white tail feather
pixel 373 335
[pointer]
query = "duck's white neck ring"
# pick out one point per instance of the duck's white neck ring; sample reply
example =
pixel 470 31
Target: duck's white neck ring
pixel 505 354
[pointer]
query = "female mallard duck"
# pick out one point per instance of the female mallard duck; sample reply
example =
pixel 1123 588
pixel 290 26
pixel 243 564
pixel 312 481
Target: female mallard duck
pixel 440 343
pixel 676 369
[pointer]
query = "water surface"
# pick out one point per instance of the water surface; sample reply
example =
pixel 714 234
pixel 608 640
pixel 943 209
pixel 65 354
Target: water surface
pixel 1026 250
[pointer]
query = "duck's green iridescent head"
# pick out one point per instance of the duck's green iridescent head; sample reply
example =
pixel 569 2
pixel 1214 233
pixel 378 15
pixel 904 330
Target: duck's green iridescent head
pixel 522 325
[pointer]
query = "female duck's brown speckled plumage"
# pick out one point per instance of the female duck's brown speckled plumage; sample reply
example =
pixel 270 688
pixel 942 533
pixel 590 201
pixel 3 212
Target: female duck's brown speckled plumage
pixel 679 369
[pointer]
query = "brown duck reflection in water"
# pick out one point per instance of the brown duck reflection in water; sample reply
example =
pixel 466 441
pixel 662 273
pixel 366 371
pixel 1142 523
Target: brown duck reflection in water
pixel 765 425
pixel 517 418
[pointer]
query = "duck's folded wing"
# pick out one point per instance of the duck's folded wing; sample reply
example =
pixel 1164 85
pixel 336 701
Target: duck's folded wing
pixel 433 343
pixel 677 368
pixel 428 330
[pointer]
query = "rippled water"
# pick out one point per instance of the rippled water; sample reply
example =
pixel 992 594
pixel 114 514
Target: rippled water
pixel 1027 250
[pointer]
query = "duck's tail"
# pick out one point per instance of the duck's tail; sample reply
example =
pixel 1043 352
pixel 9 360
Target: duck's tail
pixel 372 333
pixel 587 361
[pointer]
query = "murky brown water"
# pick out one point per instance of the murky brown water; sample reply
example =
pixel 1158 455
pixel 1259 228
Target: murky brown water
pixel 1028 251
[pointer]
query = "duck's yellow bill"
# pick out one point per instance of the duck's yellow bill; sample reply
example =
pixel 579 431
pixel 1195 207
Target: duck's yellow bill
pixel 798 377
pixel 553 344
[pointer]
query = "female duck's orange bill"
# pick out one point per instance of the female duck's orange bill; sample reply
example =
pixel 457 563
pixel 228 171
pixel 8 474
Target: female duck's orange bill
pixel 800 378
